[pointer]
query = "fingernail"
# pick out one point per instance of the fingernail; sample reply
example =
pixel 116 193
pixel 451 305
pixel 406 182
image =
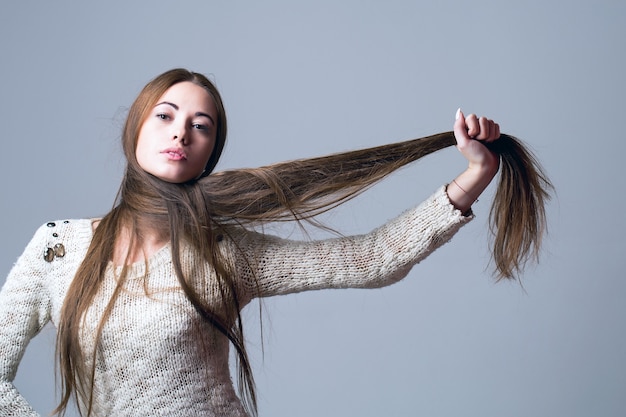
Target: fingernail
pixel 458 114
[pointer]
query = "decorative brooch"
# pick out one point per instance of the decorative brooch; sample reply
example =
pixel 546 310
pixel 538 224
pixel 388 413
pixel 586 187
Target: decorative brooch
pixel 57 250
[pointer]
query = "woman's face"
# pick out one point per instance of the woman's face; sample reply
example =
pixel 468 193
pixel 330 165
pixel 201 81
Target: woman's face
pixel 178 136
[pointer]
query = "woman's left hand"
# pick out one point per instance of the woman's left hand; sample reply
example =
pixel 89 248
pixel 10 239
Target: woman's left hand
pixel 470 133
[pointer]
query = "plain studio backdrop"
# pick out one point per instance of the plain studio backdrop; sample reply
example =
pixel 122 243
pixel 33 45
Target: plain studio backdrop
pixel 303 79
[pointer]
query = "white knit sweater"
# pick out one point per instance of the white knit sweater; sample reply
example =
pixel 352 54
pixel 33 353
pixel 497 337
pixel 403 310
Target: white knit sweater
pixel 158 358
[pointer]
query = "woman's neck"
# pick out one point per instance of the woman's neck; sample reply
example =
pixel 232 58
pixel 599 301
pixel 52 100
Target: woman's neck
pixel 135 244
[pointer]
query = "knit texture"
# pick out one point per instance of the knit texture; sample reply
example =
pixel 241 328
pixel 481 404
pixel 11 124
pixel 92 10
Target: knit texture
pixel 157 356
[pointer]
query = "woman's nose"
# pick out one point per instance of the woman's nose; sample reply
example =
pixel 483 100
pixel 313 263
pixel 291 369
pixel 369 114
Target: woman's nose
pixel 179 134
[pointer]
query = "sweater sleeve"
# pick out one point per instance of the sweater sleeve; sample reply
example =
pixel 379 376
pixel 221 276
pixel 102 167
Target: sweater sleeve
pixel 273 266
pixel 24 311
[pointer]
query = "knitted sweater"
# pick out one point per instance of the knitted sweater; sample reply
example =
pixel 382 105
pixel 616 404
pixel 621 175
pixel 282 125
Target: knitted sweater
pixel 157 356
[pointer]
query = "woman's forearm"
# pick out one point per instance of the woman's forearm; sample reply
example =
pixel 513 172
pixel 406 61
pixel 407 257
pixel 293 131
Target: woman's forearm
pixel 465 189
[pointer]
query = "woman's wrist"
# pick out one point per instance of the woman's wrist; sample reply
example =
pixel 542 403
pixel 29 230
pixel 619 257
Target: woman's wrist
pixel 465 189
pixel 485 168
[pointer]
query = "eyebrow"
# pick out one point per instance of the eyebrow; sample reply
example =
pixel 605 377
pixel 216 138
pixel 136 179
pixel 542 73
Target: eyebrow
pixel 199 113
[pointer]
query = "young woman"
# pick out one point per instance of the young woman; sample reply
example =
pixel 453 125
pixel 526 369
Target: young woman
pixel 147 299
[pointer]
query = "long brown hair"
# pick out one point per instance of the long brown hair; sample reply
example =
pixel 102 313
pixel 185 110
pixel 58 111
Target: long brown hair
pixel 200 211
pixel 304 188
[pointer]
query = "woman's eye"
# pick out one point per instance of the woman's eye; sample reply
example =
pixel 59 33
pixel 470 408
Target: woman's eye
pixel 200 126
pixel 162 116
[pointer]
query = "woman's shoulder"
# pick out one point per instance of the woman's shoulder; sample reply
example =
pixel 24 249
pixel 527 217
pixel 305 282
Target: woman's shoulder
pixel 56 237
pixel 56 247
pixel 76 227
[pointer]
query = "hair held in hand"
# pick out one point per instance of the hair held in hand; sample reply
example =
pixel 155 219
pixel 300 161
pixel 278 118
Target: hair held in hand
pixel 301 189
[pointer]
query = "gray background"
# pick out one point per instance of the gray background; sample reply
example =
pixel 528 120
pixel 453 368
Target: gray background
pixel 305 79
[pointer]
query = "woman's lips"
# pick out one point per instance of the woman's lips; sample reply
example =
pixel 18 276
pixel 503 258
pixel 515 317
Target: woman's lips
pixel 174 154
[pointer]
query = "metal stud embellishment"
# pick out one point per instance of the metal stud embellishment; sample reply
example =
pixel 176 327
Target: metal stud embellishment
pixel 48 255
pixel 59 250
pixel 56 251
